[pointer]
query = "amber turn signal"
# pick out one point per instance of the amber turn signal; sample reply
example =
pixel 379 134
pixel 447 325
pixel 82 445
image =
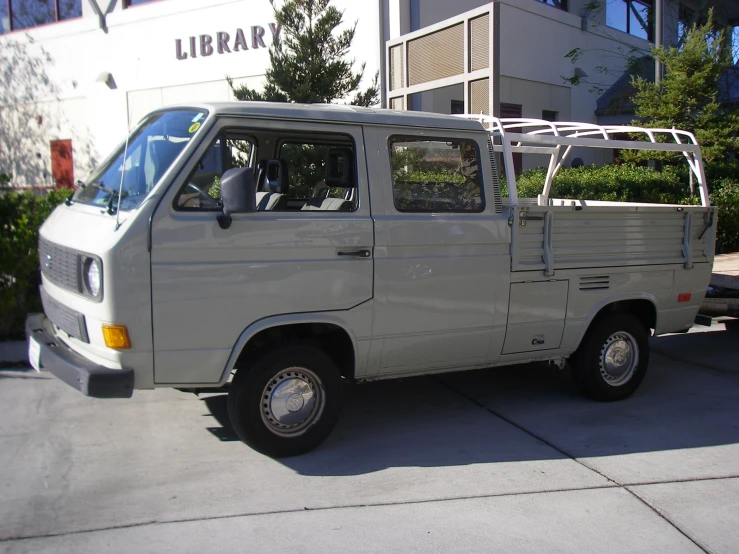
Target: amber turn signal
pixel 116 337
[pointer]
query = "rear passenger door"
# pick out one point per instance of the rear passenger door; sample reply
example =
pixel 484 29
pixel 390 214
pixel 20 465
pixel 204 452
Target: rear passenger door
pixel 441 251
pixel 209 284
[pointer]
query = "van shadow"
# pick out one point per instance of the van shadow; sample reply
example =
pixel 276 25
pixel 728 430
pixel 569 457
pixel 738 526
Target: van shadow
pixel 20 371
pixel 525 413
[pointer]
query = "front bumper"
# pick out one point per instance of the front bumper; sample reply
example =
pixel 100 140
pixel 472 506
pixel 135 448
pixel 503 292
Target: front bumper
pixel 75 370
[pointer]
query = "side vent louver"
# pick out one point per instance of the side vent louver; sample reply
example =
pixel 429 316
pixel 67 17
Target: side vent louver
pixel 596 282
pixel 496 180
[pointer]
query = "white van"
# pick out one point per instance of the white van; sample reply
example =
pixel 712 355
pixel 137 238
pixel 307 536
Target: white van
pixel 280 250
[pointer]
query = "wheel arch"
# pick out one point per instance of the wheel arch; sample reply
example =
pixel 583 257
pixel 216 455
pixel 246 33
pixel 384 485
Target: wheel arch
pixel 642 306
pixel 333 332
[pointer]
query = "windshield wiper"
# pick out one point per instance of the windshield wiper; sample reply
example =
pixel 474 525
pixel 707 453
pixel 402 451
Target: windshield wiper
pixel 68 201
pixel 113 196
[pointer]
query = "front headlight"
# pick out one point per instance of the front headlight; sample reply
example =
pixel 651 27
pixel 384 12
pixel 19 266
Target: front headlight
pixel 93 277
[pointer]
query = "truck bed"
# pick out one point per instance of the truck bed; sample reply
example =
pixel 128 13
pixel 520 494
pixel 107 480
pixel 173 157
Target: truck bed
pixel 574 234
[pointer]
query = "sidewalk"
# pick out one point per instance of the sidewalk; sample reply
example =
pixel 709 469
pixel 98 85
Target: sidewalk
pixel 726 270
pixel 506 460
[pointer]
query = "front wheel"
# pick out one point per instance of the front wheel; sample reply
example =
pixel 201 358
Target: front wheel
pixel 613 358
pixel 287 400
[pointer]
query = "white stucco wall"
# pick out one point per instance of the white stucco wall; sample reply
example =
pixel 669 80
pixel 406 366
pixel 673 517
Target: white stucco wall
pixel 139 50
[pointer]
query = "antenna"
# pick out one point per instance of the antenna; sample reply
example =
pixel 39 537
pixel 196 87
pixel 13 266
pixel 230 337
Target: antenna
pixel 125 152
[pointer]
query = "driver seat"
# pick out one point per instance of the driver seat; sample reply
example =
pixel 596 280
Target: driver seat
pixel 276 180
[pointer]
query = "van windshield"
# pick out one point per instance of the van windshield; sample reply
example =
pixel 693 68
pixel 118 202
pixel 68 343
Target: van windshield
pixel 152 149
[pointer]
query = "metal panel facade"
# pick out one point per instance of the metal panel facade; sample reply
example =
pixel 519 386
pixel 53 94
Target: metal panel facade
pixel 396 67
pixel 436 56
pixel 480 97
pixel 480 42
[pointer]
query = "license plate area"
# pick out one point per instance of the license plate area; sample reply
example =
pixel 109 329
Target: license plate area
pixel 71 322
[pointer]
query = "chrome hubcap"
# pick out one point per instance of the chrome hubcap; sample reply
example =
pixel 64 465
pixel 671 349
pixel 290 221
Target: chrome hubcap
pixel 619 358
pixel 292 401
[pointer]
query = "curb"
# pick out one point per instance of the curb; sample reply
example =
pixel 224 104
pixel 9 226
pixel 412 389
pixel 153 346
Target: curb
pixel 13 351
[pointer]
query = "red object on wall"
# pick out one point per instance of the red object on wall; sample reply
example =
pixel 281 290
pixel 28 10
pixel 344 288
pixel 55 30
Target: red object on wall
pixel 62 165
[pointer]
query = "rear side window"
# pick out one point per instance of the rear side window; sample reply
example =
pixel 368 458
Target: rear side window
pixel 436 175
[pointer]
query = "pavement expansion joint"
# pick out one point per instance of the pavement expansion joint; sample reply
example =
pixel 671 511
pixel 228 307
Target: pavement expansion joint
pixel 297 510
pixel 378 505
pixel 662 515
pixel 576 460
pixel 609 483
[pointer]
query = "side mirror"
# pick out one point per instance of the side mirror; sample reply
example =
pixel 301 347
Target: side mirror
pixel 237 194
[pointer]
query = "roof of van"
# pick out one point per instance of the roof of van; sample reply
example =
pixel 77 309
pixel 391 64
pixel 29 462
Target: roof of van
pixel 340 113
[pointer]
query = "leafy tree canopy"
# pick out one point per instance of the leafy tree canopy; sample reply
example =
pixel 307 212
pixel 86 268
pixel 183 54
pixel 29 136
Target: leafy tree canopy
pixel 308 58
pixel 688 96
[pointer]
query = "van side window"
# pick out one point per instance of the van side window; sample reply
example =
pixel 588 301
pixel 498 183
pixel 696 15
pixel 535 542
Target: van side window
pixel 436 175
pixel 321 176
pixel 202 189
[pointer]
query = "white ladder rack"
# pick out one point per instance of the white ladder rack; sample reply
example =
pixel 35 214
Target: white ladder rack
pixel 538 136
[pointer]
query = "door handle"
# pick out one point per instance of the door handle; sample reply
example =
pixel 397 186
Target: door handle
pixel 356 253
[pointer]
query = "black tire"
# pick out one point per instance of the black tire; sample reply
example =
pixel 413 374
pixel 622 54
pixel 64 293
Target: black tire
pixel 269 396
pixel 612 342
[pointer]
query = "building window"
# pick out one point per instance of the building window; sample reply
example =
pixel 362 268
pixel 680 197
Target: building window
pixel 24 14
pixel 457 107
pixel 630 16
pixel 514 111
pixel 549 115
pixel 436 175
pixel 559 4
pixel 129 3
pixel 4 18
pixel 685 20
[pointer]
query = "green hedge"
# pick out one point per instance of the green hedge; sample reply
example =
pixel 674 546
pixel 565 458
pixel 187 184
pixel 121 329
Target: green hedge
pixel 21 215
pixel 615 183
pixel 630 183
pixel 725 195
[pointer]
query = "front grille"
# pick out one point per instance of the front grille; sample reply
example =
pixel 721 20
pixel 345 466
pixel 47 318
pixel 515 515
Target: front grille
pixel 69 321
pixel 59 265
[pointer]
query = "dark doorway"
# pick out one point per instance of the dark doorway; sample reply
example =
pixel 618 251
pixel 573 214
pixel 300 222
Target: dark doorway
pixel 513 110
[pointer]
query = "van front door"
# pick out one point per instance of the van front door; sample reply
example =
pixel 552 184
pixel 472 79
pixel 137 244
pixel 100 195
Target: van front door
pixel 290 257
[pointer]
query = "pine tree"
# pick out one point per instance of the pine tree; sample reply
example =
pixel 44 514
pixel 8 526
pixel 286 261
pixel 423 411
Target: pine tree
pixel 308 63
pixel 688 96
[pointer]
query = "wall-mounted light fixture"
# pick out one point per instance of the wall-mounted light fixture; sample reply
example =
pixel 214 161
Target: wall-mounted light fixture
pixel 108 79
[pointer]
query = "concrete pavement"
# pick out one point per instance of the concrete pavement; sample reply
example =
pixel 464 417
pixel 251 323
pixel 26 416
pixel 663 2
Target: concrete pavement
pixel 501 460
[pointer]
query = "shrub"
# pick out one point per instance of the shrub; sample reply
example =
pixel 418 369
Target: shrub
pixel 21 215
pixel 631 183
pixel 726 196
pixel 616 183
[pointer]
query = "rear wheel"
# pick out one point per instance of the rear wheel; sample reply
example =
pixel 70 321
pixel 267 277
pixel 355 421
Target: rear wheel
pixel 613 358
pixel 287 400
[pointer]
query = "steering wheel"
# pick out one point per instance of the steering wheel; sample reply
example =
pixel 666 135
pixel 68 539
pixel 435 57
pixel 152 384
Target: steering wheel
pixel 206 200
